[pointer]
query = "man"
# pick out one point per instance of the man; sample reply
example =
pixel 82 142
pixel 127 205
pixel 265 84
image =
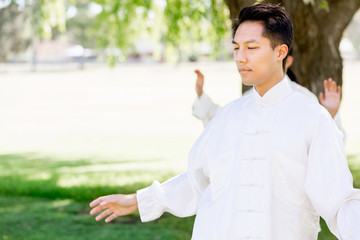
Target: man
pixel 205 109
pixel 267 165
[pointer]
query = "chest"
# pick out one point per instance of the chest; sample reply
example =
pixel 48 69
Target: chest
pixel 256 148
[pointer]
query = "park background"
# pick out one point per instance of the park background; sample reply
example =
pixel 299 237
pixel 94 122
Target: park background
pixel 79 121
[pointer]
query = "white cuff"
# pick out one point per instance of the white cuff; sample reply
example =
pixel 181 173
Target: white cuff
pixel 348 220
pixel 202 106
pixel 149 202
pixel 205 109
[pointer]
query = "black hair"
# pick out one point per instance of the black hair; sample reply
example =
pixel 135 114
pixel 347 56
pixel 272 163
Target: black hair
pixel 277 24
pixel 289 72
pixel 292 75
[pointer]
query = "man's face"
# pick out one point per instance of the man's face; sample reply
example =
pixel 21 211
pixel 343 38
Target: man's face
pixel 256 60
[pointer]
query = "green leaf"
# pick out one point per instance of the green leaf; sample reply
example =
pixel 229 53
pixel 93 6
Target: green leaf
pixel 324 5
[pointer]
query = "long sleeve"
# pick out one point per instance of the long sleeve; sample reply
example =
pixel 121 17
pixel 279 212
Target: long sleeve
pixel 179 195
pixel 338 123
pixel 329 184
pixel 205 109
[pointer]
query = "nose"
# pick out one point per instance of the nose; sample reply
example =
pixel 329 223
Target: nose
pixel 239 56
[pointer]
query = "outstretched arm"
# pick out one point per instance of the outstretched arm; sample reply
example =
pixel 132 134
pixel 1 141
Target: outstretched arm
pixel 116 205
pixel 330 99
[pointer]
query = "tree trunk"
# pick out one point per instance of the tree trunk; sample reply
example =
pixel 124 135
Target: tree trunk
pixel 317 37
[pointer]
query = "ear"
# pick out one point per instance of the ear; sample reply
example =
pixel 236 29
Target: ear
pixel 289 61
pixel 282 51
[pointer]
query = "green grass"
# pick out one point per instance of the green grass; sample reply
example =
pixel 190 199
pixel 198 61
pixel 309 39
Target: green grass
pixel 41 218
pixel 45 197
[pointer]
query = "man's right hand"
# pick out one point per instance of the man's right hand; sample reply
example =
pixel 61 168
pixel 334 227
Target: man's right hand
pixel 199 83
pixel 116 205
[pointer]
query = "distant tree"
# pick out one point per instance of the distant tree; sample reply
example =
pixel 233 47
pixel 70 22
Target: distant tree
pixel 80 27
pixel 15 36
pixel 318 28
pixel 175 23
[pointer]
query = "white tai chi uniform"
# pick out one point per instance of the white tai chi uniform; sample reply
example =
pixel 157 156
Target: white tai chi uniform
pixel 264 168
pixel 205 109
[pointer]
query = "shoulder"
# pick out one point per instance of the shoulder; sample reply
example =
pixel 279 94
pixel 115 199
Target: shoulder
pixel 303 90
pixel 309 113
pixel 239 103
pixel 305 104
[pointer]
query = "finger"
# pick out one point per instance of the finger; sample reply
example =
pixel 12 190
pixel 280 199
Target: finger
pixel 103 214
pixel 96 201
pixel 333 86
pixel 97 209
pixel 111 217
pixel 339 90
pixel 198 73
pixel 326 86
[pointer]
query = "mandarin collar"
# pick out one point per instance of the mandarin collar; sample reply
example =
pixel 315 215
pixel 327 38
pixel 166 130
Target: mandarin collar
pixel 274 94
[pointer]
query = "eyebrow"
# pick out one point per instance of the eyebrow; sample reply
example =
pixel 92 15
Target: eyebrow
pixel 249 41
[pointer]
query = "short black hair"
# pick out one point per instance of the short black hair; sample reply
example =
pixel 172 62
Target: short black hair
pixel 277 24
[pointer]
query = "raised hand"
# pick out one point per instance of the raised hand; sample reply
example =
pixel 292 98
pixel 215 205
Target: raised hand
pixel 199 83
pixel 116 205
pixel 330 99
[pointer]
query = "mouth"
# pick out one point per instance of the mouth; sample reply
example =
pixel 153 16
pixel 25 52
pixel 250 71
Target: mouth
pixel 244 70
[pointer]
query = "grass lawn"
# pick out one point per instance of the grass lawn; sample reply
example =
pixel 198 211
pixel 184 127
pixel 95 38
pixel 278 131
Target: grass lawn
pixel 69 137
pixel 47 198
pixel 43 218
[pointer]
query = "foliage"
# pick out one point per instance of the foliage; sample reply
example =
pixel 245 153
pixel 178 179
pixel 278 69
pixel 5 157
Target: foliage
pixel 17 28
pixel 120 23
pixel 49 14
pixel 80 28
pixel 186 23
pixel 196 21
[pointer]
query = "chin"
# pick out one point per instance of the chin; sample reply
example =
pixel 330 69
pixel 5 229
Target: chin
pixel 247 82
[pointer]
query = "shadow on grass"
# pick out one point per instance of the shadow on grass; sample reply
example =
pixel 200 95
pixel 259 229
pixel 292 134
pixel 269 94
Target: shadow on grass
pixel 39 162
pixel 30 175
pixel 34 204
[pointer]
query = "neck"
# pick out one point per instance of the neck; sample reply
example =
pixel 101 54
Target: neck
pixel 262 88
